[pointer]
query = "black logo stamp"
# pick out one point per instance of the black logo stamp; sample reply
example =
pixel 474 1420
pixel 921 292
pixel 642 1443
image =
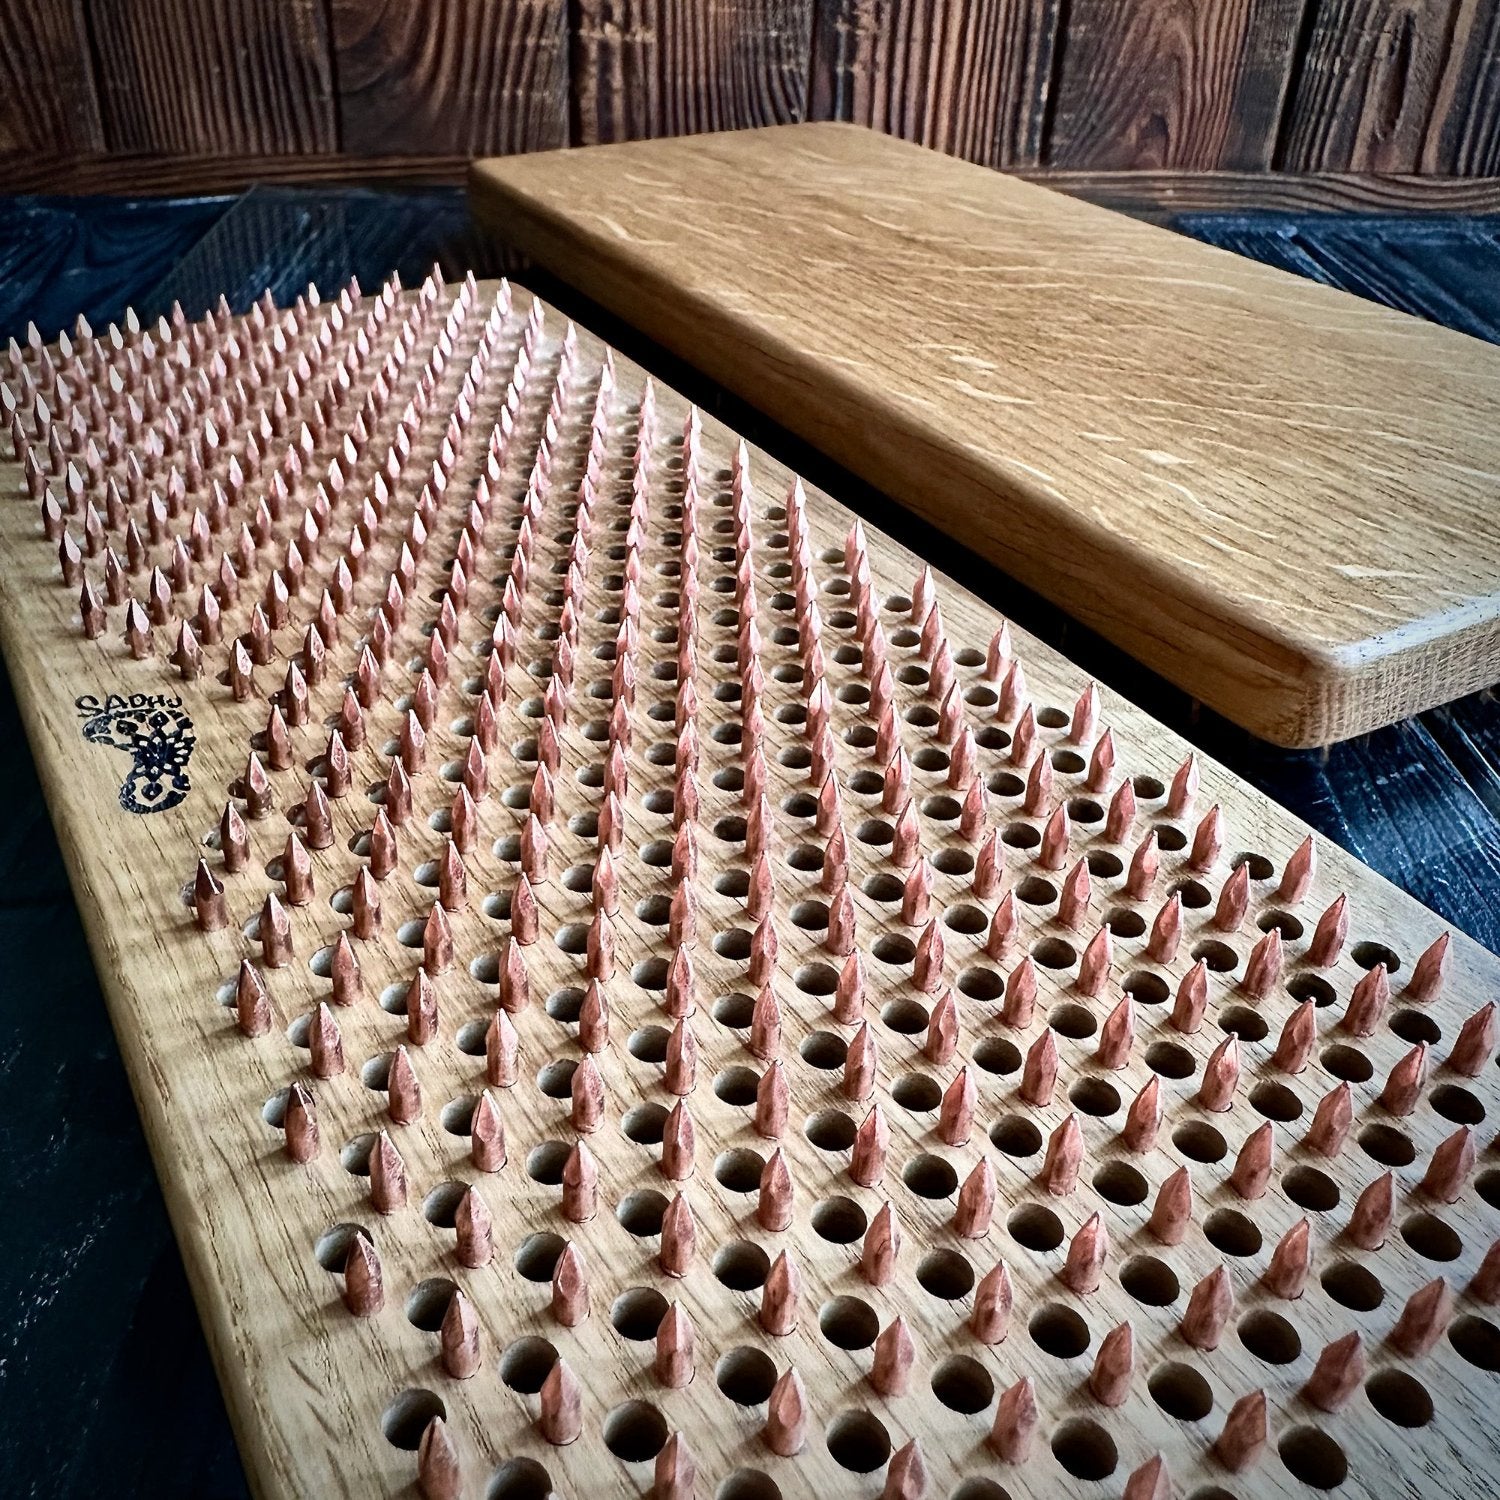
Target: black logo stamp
pixel 159 737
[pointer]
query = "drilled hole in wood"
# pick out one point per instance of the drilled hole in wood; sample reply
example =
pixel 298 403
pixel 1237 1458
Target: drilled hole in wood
pixel 1035 1228
pixel 741 1266
pixel 1103 865
pixel 1119 1183
pixel 635 1432
pixel 1171 840
pixel 1150 1281
pixel 1145 988
pixel 355 1155
pixel 748 1484
pixel 1058 1331
pixel 1348 1063
pixel 1283 922
pixel 823 1049
pixel 979 1488
pixel 648 1044
pixel 637 1313
pixel 538 1254
pixel 841 1221
pixel 1170 1060
pixel 1353 1286
pixel 917 1092
pixel 981 984
pixel 1476 1340
pixel 904 1016
pixel 1413 1026
pixel 1005 784
pixel 526 1364
pixel 848 1322
pixel 894 949
pixel 996 1055
pixel 930 1176
pixel 1016 1136
pixel 555 1079
pixel 641 1213
pixel 1124 923
pixel 1311 1189
pixel 1085 1449
pixel 1228 1230
pixel 1035 891
pixel 428 1302
pixel 1181 1392
pixel 746 1375
pixel 405 1420
pixel 945 1274
pixel 1073 1021
pixel 1400 1398
pixel 739 1170
pixel 1094 1096
pixel 1313 1457
pixel 1388 1145
pixel 858 1441
pixel 457 1116
pixel 1367 954
pixel 1306 987
pixel 332 1248
pixel 816 979
pixel 831 1130
pixel 1275 1101
pixel 1458 1104
pixel 1200 1141
pixel 733 883
pixel 1268 1336
pixel 1431 1238
pixel 963 1384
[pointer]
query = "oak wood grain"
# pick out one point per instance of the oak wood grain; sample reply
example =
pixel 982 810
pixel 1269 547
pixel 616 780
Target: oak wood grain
pixel 242 76
pixel 443 77
pixel 1173 83
pixel 969 77
pixel 48 101
pixel 678 67
pixel 1158 436
pixel 315 1393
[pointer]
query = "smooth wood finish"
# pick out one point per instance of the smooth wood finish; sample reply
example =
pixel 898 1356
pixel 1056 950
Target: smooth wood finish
pixel 973 80
pixel 1256 485
pixel 1159 84
pixel 451 77
pixel 327 1404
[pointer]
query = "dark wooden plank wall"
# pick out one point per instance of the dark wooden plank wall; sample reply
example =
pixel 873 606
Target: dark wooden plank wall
pixel 303 88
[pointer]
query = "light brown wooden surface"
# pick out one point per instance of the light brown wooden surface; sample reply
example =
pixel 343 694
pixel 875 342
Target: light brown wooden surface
pixel 1271 492
pixel 312 1390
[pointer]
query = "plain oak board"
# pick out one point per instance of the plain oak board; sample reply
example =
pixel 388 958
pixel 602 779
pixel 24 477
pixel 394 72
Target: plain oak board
pixel 1273 493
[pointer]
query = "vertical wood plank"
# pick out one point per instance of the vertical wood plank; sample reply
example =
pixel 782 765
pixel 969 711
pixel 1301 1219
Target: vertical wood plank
pixel 457 77
pixel 1370 96
pixel 236 76
pixel 47 98
pixel 676 67
pixel 1467 140
pixel 1191 84
pixel 969 77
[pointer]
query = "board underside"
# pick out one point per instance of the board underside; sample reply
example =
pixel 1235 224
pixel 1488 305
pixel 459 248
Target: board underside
pixel 1273 493
pixel 961 901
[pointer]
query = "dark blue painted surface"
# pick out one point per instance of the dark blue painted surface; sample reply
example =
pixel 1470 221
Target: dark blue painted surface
pixel 105 1381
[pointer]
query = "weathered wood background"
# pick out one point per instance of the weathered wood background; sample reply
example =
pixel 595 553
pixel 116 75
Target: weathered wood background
pixel 126 94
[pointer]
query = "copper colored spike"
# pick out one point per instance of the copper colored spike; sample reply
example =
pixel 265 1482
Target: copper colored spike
pixel 1072 906
pixel 1084 1267
pixel 421 1009
pixel 1234 900
pixel 1143 1119
pixel 941 1041
pixel 785 1431
pixel 525 917
pixel 1403 1087
pixel 1331 1121
pixel 956 1113
pixel 679 1237
pixel 1019 1000
pixel 676 1470
pixel 1094 967
pixel 1209 1310
pixel 501 1046
pixel 993 1297
pixel 1109 1381
pixel 906 1476
pixel 1330 934
pixel 1120 818
pixel 1016 1420
pixel 1192 999
pixel 1221 1076
pixel 779 1297
pixel 1151 1481
pixel 1144 864
pixel 1294 1046
pixel 580 1185
pixel 1452 1164
pixel 1166 931
pixel 678 1144
pixel 1424 1319
pixel 860 1064
pixel 1039 1076
pixel 1486 1283
pixel 882 1247
pixel 403 1092
pixel 561 1418
pixel 1184 788
pixel 1429 972
pixel 1297 878
pixel 1117 1036
pixel 252 1006
pixel 439 1473
pixel 772 1102
pixel 976 1202
pixel 1475 1044
pixel 774 1206
pixel 1002 928
pixel 437 942
pixel 364 1283
pixel 325 1044
pixel 1370 1221
pixel 1059 1174
pixel 894 1355
pixel 317 820
pixel 387 1176
pixel 871 1144
pixel 1208 841
pixel 458 1339
pixel 209 910
pixel 570 1288
pixel 1339 1372
pixel 1290 1262
pixel 303 1140
pixel 487 1135
pixel 1252 1168
pixel 587 1095
pixel 675 1340
pixel 1173 1210
pixel 1263 968
pixel 1368 1003
pixel 275 934
pixel 1245 1432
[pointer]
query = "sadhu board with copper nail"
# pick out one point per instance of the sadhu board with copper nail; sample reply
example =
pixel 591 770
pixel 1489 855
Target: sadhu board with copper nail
pixel 636 985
